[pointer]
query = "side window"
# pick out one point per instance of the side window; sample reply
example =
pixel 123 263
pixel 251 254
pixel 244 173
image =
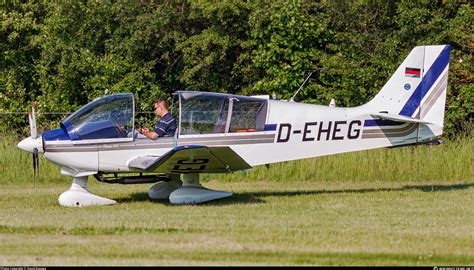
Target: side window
pixel 203 114
pixel 248 115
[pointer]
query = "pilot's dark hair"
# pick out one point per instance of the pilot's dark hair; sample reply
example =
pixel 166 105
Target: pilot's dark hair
pixel 162 102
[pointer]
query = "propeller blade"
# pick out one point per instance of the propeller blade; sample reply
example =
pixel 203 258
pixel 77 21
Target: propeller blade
pixel 35 165
pixel 32 120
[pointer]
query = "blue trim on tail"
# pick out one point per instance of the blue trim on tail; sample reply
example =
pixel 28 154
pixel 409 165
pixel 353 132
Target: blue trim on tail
pixel 428 80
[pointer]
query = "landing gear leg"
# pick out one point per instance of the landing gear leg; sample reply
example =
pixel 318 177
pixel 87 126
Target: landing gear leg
pixel 192 192
pixel 79 196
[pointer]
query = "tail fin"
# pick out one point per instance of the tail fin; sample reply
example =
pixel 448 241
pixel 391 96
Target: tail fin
pixel 418 88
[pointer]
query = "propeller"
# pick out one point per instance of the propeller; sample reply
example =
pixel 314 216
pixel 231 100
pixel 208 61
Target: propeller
pixel 32 120
pixel 35 165
pixel 34 135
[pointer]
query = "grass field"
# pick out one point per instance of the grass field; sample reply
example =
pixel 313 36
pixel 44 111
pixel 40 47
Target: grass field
pixel 406 206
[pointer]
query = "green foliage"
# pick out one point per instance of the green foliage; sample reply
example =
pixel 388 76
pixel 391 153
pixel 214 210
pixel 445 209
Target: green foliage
pixel 285 41
pixel 64 54
pixel 19 24
pixel 217 31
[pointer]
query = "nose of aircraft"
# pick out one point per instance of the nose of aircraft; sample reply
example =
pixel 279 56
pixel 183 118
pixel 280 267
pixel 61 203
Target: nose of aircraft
pixel 29 144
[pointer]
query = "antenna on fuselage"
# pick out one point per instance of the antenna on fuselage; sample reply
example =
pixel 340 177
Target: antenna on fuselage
pixel 292 99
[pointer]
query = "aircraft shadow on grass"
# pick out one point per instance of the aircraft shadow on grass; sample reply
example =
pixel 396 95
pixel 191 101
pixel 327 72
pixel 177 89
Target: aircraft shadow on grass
pixel 258 197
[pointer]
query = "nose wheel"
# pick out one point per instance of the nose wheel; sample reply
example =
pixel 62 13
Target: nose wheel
pixel 79 196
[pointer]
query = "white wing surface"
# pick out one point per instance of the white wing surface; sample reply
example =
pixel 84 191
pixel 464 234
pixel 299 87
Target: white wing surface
pixel 192 159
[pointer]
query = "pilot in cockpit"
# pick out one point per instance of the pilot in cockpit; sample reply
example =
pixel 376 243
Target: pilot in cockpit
pixel 165 126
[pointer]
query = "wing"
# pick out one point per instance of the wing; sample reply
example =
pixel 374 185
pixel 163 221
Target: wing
pixel 192 159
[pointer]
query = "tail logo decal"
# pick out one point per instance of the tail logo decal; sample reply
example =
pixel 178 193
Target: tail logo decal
pixel 412 72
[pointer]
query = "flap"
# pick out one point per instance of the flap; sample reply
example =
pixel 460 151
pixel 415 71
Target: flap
pixel 192 159
pixel 399 118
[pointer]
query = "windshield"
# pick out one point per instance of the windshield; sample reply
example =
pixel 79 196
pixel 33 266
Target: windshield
pixel 109 117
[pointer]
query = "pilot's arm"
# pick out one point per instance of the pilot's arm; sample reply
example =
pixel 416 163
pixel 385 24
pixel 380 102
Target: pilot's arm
pixel 147 133
pixel 158 132
pixel 151 135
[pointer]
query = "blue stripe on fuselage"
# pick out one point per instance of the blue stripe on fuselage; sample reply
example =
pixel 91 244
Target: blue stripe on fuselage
pixel 374 123
pixel 270 127
pixel 428 80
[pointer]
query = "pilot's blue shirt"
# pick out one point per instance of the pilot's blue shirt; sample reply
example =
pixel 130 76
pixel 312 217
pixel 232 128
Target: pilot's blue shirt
pixel 166 126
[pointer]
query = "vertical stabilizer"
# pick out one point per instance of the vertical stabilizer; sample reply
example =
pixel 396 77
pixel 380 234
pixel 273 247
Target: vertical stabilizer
pixel 417 89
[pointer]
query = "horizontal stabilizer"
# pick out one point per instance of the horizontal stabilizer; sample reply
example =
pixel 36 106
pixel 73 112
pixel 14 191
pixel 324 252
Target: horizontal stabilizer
pixel 192 159
pixel 398 118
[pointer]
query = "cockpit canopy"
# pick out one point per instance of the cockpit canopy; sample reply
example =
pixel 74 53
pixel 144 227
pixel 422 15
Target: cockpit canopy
pixel 109 117
pixel 208 113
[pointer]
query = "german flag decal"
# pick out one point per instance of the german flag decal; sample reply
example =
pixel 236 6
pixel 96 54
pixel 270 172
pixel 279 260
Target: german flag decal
pixel 412 72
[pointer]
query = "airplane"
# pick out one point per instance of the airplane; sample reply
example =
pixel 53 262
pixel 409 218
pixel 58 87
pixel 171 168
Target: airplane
pixel 224 133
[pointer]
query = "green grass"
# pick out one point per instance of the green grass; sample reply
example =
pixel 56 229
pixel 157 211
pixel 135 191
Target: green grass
pixel 406 206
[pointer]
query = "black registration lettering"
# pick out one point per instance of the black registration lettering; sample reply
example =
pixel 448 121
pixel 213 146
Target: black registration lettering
pixel 307 131
pixel 336 130
pixel 352 132
pixel 322 130
pixel 287 128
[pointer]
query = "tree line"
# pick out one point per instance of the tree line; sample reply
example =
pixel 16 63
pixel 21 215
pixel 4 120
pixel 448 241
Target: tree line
pixel 63 54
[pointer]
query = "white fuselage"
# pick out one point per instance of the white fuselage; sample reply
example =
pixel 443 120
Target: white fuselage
pixel 408 108
pixel 300 131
